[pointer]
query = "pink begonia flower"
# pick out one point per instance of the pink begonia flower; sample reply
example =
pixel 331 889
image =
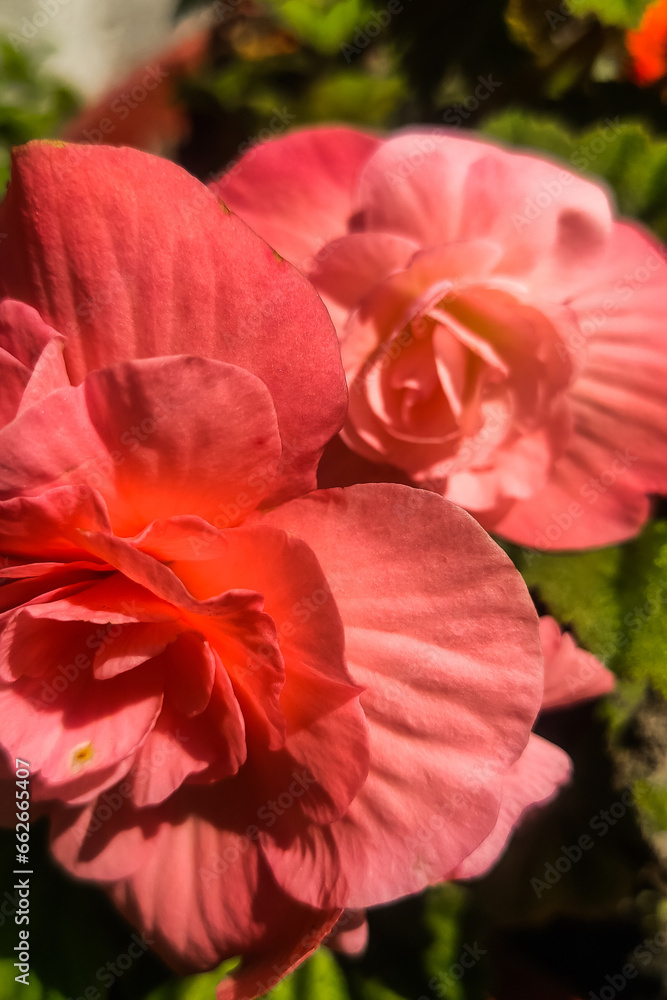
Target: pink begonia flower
pixel 245 709
pixel 571 675
pixel 503 336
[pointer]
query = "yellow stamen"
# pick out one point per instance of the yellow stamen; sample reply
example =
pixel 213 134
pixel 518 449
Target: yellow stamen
pixel 82 754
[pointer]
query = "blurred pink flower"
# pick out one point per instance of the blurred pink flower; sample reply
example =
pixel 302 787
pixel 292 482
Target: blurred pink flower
pixel 502 334
pixel 244 708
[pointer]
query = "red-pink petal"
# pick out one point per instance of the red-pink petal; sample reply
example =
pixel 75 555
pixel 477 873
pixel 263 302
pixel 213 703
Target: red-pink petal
pixel 446 644
pixel 325 727
pixel 84 727
pixel 298 192
pixel 128 256
pixel 31 362
pixel 48 526
pixel 200 890
pixel 157 437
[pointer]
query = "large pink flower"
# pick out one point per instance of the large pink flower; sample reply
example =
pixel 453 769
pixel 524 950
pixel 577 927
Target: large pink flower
pixel 245 709
pixel 502 334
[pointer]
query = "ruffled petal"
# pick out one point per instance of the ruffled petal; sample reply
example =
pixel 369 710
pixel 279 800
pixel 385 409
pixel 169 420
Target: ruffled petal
pixel 157 437
pixel 199 890
pixel 445 642
pixel 128 256
pixel 298 192
pixel 435 187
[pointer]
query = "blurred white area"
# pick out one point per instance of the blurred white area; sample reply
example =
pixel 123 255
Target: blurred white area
pixel 93 43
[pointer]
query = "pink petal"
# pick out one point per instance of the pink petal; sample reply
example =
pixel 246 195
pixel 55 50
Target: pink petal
pixel 533 780
pixel 49 525
pixel 29 646
pixel 326 731
pixel 307 865
pixel 571 674
pixel 446 645
pixel 350 935
pixel 79 727
pixel 348 268
pixel 31 363
pixel 128 256
pixel 135 644
pixel 298 192
pixel 173 751
pixel 242 634
pixel 201 892
pixel 437 187
pixel 619 396
pixel 577 509
pixel 157 437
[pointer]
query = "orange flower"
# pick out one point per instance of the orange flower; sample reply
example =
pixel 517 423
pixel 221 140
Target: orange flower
pixel 648 45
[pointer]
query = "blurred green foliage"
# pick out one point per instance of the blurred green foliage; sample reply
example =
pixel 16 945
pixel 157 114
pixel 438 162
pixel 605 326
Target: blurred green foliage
pixel 624 153
pixel 32 104
pixel 615 600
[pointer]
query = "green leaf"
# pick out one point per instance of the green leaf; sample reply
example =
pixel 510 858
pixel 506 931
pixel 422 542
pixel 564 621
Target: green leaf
pixel 355 97
pixel 323 24
pixel 444 908
pixel 616 601
pixel 622 13
pixel 373 989
pixel 77 942
pixel 615 598
pixel 199 987
pixel 318 977
pixel 32 104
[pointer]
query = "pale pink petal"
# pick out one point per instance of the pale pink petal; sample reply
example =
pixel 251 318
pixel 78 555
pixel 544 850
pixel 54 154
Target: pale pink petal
pixel 578 510
pixel 571 674
pixel 435 187
pixel 350 935
pixel 532 781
